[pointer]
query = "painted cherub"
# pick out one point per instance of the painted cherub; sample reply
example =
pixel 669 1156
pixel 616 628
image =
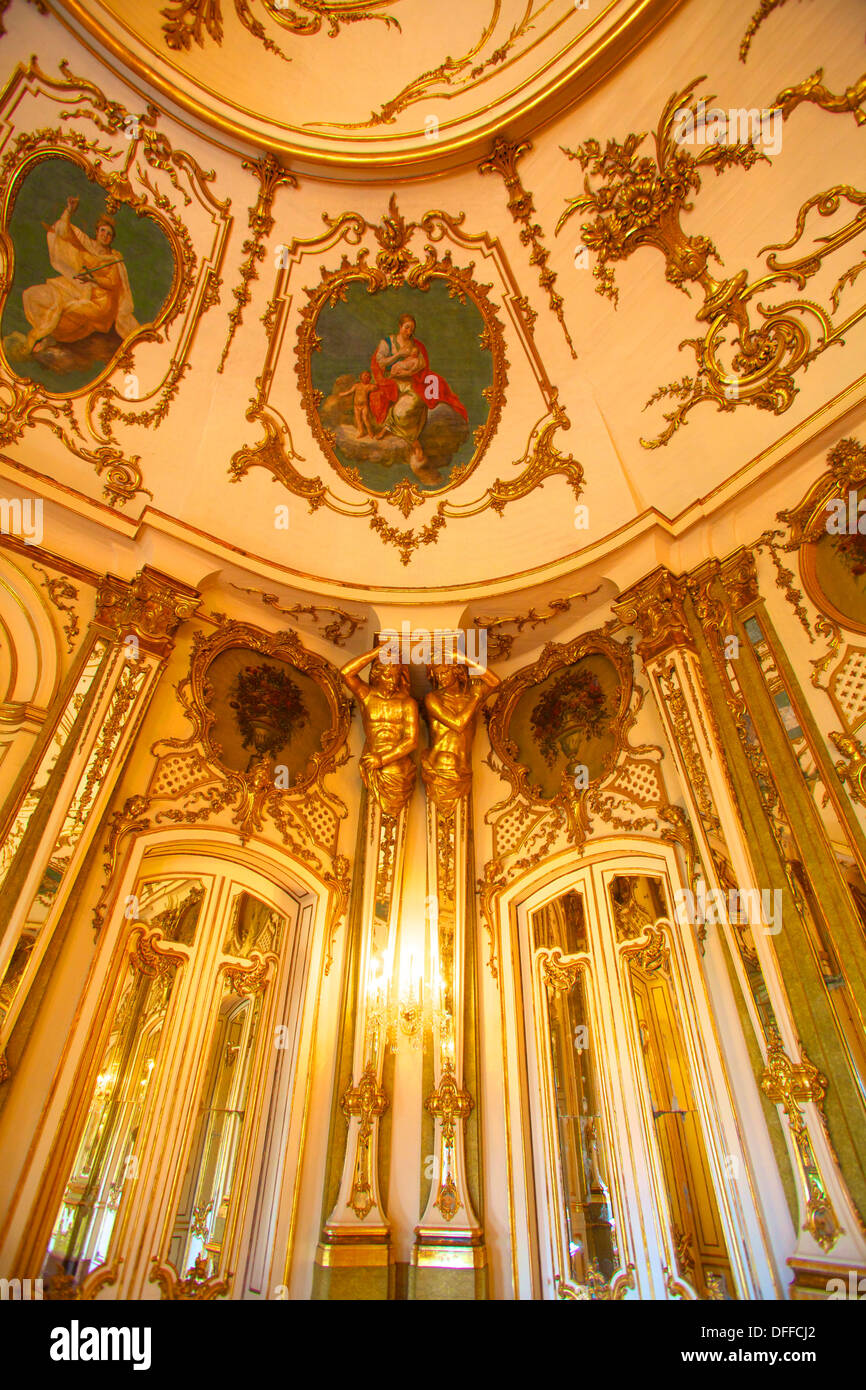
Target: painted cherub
pixel 360 393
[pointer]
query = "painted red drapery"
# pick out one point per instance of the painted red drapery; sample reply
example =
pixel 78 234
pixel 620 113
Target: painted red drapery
pixel 422 382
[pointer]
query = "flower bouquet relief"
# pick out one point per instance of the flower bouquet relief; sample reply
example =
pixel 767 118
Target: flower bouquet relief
pixel 269 708
pixel 570 711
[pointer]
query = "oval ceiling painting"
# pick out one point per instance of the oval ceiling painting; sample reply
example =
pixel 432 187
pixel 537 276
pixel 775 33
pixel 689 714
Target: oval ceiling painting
pixel 87 276
pixel 399 383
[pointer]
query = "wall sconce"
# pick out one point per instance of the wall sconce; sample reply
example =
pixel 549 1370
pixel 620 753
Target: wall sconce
pixel 394 1015
pixel 410 1009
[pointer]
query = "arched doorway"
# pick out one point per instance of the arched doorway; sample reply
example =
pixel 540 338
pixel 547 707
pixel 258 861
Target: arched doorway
pixel 628 1174
pixel 179 1150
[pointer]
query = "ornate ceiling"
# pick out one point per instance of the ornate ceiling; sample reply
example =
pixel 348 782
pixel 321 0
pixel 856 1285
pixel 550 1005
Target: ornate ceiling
pixel 368 85
pixel 627 341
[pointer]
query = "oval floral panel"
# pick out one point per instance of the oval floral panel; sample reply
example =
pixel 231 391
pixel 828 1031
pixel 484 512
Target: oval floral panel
pixel 834 567
pixel 85 280
pixel 265 707
pixel 568 721
pixel 403 383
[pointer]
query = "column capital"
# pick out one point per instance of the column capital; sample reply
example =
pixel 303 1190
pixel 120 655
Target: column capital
pixel 740 578
pixel 655 607
pixel 151 606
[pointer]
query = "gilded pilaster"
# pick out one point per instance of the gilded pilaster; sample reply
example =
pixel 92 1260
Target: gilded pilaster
pixel 354 1258
pixel 684 625
pixel 53 814
pixel 756 751
pixel 449 1258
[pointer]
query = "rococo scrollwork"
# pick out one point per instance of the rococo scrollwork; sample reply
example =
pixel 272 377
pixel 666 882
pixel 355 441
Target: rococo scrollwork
pixel 128 270
pixel 389 424
pixel 750 351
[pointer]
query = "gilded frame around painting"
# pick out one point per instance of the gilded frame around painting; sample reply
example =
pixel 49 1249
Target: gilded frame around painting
pixel 331 293
pixel 568 798
pixel 138 171
pixel 397 266
pixel 183 259
pixel 808 527
pixel 196 693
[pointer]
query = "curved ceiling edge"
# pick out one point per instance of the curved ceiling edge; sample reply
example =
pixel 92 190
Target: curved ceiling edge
pixel 368 157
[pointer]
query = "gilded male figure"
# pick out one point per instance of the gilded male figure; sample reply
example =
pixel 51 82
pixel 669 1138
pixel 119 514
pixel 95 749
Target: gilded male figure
pixel 390 717
pixel 452 708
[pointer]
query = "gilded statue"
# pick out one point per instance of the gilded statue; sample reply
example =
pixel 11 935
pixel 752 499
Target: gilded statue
pixel 452 708
pixel 390 718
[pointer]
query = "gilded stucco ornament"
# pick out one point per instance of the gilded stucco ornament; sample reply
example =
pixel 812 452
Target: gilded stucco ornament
pixel 150 607
pixel 502 160
pixel 812 89
pixel 851 767
pixel 597 1289
pixel 387 261
pixel 785 578
pixel 807 528
pixel 655 607
pixel 527 824
pixel 558 974
pixel 791 1085
pixel 450 1105
pixel 190 21
pixel 390 718
pixel 739 578
pixel 63 1288
pixel 191 785
pixel 638 201
pixel 150 954
pixel 489 51
pixel 846 469
pixel 63 594
pixel 136 167
pixel 570 802
pixel 764 10
pixel 500 643
pixel 305 814
pixel 196 1285
pixel 452 709
pixel 339 629
pixel 250 976
pixel 367 1102
pixel 271 176
pixel 650 950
